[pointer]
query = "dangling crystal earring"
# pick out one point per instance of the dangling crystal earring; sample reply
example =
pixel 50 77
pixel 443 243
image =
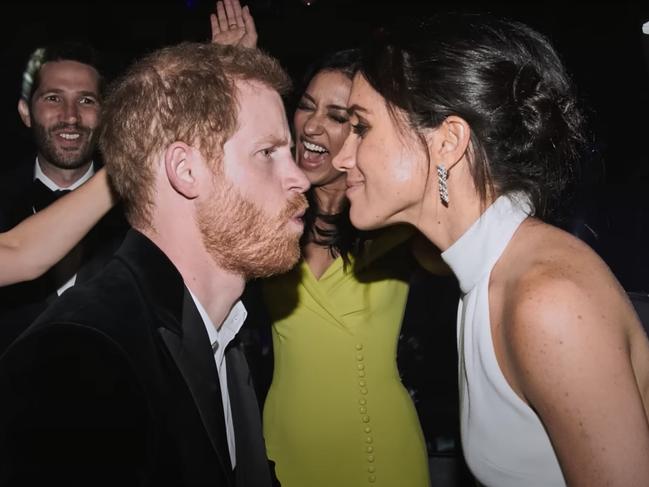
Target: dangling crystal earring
pixel 442 178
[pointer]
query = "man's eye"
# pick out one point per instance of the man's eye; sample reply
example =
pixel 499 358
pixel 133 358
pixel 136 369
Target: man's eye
pixel 51 98
pixel 268 152
pixel 86 100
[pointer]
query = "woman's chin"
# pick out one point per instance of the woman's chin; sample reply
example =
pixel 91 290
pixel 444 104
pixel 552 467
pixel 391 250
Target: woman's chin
pixel 364 221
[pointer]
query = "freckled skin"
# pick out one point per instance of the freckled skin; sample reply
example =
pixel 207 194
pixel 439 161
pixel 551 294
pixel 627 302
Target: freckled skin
pixel 575 352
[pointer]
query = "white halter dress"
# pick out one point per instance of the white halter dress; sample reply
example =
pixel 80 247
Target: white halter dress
pixel 504 442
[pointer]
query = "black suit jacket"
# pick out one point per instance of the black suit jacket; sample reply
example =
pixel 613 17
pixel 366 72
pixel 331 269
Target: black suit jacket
pixel 116 384
pixel 21 303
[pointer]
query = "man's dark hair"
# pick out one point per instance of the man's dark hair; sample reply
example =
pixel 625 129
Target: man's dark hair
pixel 65 51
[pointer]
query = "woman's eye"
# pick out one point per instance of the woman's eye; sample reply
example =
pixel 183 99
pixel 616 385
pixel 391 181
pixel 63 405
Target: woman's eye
pixel 339 118
pixel 304 107
pixel 360 128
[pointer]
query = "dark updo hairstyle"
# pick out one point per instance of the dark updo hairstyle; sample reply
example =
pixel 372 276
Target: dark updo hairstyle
pixel 505 80
pixel 340 236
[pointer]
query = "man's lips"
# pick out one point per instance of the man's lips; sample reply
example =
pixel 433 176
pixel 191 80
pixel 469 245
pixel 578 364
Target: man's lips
pixel 69 137
pixel 300 214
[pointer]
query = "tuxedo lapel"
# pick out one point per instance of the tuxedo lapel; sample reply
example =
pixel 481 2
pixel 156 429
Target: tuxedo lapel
pixel 16 202
pixel 194 358
pixel 252 466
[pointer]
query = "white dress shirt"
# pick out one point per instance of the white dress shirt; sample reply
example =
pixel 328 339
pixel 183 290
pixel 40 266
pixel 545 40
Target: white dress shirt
pixel 219 338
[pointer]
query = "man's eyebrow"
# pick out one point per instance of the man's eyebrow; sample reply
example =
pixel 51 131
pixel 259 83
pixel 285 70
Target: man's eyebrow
pixel 60 91
pixel 274 140
pixel 89 93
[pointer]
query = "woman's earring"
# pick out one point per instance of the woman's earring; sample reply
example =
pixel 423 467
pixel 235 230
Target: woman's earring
pixel 442 178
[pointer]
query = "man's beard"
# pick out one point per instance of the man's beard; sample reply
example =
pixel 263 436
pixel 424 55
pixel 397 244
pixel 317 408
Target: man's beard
pixel 243 239
pixel 73 159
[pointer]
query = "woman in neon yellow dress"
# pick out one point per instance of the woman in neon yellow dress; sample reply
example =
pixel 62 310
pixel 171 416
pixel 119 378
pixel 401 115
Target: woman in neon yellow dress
pixel 336 413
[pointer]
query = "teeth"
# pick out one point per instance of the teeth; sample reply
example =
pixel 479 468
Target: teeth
pixel 69 136
pixel 314 147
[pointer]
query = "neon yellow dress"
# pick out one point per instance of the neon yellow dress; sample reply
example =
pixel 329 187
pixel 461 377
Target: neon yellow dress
pixel 336 414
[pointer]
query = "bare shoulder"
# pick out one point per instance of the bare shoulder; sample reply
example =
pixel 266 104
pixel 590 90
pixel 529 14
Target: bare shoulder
pixel 575 352
pixel 561 299
pixel 555 276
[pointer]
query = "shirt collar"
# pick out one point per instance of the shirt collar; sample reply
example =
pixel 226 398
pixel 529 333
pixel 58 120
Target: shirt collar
pixel 39 174
pixel 219 338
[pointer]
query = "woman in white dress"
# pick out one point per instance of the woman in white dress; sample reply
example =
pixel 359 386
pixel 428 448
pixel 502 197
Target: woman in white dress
pixel 467 128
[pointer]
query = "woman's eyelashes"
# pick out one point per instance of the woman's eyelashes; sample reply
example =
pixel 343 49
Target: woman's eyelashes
pixel 339 117
pixel 305 106
pixel 360 128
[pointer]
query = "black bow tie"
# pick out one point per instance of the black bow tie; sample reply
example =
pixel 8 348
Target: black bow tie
pixel 42 196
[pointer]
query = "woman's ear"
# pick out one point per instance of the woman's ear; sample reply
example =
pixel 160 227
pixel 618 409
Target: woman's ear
pixel 449 142
pixel 181 166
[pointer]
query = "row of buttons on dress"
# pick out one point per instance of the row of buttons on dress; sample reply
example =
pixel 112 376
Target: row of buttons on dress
pixel 365 419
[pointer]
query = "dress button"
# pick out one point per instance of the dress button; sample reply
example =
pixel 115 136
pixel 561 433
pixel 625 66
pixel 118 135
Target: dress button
pixel 359 357
pixel 359 346
pixel 363 390
pixel 369 440
pixel 368 429
pixel 362 409
pixel 365 419
pixel 360 366
pixel 362 383
pixel 369 449
pixel 372 478
pixel 370 458
pixel 362 401
pixel 371 469
pixel 361 373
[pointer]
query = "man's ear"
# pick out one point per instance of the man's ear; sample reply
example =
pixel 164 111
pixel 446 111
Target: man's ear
pixel 449 142
pixel 23 111
pixel 181 165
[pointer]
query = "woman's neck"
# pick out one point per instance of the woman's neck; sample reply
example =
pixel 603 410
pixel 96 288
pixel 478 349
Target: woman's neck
pixel 330 197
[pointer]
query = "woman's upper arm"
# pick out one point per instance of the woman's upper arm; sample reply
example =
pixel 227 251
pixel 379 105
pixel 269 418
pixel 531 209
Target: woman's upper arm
pixel 570 357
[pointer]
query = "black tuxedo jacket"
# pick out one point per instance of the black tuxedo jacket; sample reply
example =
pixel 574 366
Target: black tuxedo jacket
pixel 116 384
pixel 21 303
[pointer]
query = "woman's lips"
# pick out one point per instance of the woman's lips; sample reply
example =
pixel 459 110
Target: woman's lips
pixel 310 159
pixel 352 186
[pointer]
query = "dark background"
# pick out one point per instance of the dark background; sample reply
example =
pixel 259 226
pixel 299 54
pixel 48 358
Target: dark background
pixel 600 42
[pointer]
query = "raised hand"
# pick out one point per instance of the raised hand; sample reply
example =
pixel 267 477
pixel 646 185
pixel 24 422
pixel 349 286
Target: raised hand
pixel 233 25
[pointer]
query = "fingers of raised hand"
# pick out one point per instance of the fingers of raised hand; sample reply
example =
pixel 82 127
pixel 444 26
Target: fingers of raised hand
pixel 233 13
